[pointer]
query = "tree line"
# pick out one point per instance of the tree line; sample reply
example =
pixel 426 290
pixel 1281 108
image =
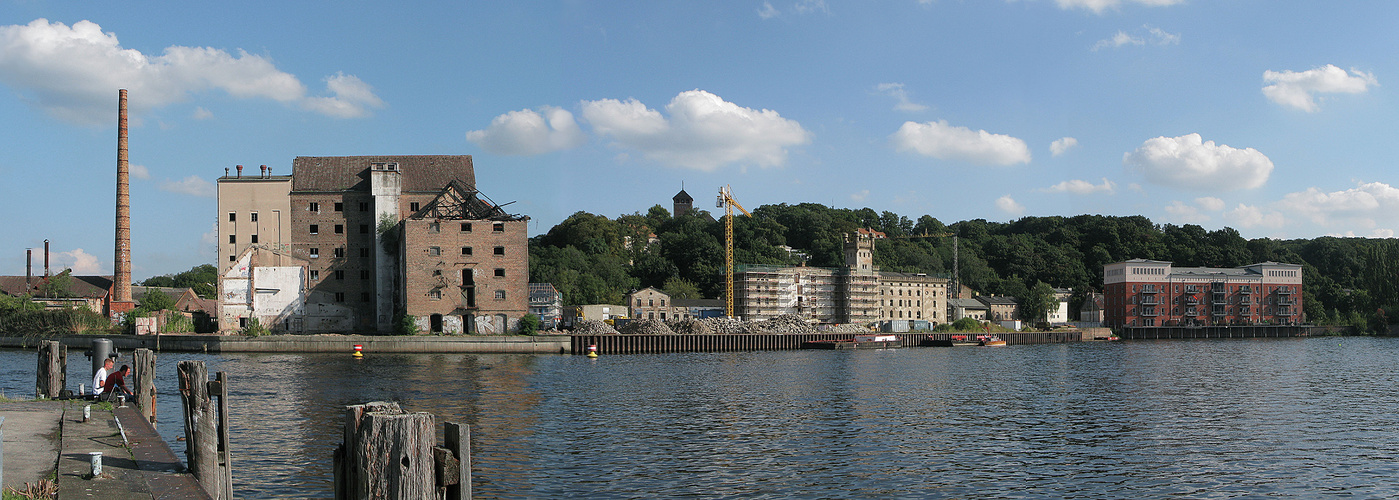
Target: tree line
pixel 591 258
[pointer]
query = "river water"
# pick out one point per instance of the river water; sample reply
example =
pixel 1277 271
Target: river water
pixel 1291 418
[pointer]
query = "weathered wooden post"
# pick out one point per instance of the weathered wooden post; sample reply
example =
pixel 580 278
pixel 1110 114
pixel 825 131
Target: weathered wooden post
pixel 144 364
pixel 206 449
pixel 387 454
pixel 454 462
pixel 51 377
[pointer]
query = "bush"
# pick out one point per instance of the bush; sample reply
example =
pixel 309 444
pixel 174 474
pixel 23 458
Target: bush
pixel 529 324
pixel 406 325
pixel 255 328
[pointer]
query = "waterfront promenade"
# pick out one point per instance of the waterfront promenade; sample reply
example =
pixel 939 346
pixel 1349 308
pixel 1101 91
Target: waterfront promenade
pixel 48 440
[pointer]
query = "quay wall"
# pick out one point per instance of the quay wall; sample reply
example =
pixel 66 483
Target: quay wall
pixel 646 344
pixel 541 344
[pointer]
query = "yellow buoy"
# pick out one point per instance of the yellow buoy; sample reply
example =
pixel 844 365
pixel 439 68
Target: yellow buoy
pixel 357 353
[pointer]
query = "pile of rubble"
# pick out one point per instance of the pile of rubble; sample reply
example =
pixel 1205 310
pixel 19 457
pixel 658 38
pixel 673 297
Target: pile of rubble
pixel 646 327
pixel 786 323
pixel 845 328
pixel 593 327
pixel 690 327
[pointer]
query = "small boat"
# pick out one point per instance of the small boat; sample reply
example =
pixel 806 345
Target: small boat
pixel 990 341
pixel 859 342
pixel 952 341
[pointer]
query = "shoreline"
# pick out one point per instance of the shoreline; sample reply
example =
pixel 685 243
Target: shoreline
pixel 512 344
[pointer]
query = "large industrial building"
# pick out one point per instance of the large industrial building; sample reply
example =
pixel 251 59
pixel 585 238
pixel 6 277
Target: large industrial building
pixel 1142 292
pixel 857 293
pixel 353 243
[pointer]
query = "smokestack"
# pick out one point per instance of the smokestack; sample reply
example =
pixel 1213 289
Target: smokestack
pixel 121 276
pixel 240 171
pixel 28 268
pixel 46 259
pixel 264 170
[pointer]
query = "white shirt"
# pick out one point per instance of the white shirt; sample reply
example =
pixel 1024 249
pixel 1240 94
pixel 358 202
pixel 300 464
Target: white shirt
pixel 98 379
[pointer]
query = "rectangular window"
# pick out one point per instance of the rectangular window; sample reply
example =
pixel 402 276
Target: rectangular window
pixel 233 217
pixel 340 274
pixel 364 252
pixel 232 258
pixel 315 229
pixel 252 216
pixel 435 294
pixel 315 252
pixel 500 294
pixel 466 227
pixel 315 275
pixel 500 250
pixel 434 251
pixel 364 296
pixel 314 207
pixel 466 250
pixel 339 207
pixel 364 274
pixel 499 273
pixel 363 207
pixel 254 239
pixel 339 252
pixel 232 239
pixel 339 229
pixel 413 207
pixel 364 229
pixel 339 296
pixel 498 227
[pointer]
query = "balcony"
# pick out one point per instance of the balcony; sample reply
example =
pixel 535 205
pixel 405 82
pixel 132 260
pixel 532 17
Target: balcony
pixel 1245 290
pixel 1192 289
pixel 1219 311
pixel 1284 291
pixel 1191 312
pixel 1287 302
pixel 1148 301
pixel 1245 301
pixel 1148 311
pixel 1192 301
pixel 1151 289
pixel 1220 299
pixel 1286 312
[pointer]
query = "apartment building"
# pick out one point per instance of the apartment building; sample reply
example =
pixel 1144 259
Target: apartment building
pixel 1142 292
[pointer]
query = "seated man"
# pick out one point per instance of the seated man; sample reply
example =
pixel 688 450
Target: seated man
pixel 115 385
pixel 100 378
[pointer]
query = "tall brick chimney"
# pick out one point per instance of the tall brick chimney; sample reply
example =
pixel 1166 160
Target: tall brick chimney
pixel 121 275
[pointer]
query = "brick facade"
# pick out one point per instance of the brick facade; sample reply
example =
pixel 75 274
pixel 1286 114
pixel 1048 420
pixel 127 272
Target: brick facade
pixel 466 276
pixel 1143 292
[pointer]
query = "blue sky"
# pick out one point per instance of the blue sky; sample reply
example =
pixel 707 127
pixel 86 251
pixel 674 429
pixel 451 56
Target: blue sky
pixel 1272 117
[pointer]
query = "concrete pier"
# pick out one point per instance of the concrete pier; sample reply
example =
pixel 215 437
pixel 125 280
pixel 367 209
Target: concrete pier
pixel 49 440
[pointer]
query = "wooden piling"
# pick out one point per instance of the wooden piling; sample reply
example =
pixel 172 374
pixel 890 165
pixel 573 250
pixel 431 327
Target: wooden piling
pixel 51 376
pixel 143 361
pixel 387 454
pixel 205 443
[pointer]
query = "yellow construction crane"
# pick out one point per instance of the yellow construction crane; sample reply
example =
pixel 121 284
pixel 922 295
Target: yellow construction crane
pixel 727 201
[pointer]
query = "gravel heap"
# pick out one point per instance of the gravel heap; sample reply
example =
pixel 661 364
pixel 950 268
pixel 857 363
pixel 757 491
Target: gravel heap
pixel 729 326
pixel 690 327
pixel 846 328
pixel 593 327
pixel 786 323
pixel 646 327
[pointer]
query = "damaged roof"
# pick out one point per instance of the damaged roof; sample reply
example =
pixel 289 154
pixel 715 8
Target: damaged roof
pixel 419 173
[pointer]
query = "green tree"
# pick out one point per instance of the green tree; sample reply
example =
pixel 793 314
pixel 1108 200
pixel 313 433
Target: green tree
pixel 1037 302
pixel 155 300
pixel 58 286
pixel 680 288
pixel 529 324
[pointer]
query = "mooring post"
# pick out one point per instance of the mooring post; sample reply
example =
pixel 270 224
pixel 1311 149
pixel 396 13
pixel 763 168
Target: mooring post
pixel 50 376
pixel 143 361
pixel 457 438
pixel 201 432
pixel 387 454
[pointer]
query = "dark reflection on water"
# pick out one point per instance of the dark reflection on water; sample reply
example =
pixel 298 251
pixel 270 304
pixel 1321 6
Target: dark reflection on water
pixel 1200 419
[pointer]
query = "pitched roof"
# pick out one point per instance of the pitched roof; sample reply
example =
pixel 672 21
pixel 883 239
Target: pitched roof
pixel 88 287
pixel 998 300
pixel 682 196
pixel 420 173
pixel 966 303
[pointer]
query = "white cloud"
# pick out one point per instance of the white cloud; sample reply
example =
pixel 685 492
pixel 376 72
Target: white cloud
pixel 1186 214
pixel 946 142
pixel 811 6
pixel 529 132
pixel 81 262
pixel 1098 6
pixel 71 72
pixel 1365 204
pixel 1060 146
pixel 1148 34
pixel 1136 188
pixel 896 90
pixel 352 98
pixel 860 196
pixel 202 114
pixel 1210 203
pixel 192 185
pixel 1190 162
pixel 703 131
pixel 139 172
pixel 1082 187
pixel 768 11
pixel 1296 89
pixel 1250 216
pixel 1009 206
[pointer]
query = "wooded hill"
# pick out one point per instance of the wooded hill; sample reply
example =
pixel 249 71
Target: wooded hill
pixel 592 259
